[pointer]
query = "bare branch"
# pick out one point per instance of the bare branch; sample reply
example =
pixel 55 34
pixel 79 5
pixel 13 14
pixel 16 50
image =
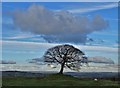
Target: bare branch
pixel 64 55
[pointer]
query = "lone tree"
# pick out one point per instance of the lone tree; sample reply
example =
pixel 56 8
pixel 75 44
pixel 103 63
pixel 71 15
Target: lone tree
pixel 66 56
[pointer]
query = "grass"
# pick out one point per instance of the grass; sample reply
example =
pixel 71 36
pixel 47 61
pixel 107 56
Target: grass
pixel 56 80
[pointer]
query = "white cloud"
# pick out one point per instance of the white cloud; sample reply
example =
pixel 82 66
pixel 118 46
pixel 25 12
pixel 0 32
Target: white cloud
pixel 99 48
pixel 34 45
pixel 116 45
pixel 95 8
pixel 7 62
pixel 100 59
pixel 20 52
pixel 61 26
pixel 20 36
pixel 37 49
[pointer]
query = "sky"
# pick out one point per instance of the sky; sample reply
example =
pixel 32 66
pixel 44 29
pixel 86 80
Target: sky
pixel 30 28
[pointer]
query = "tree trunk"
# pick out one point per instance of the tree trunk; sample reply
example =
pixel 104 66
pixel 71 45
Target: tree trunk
pixel 62 67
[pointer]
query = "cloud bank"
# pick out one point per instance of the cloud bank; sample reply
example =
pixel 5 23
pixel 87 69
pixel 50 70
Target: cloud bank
pixel 95 59
pixel 57 26
pixel 7 62
pixel 38 61
pixel 100 59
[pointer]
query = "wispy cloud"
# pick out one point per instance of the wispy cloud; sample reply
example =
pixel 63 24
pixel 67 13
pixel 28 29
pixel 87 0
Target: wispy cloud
pixel 19 37
pixel 48 45
pixel 94 8
pixel 98 48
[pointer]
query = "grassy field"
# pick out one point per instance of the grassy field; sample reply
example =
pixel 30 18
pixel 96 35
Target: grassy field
pixel 56 80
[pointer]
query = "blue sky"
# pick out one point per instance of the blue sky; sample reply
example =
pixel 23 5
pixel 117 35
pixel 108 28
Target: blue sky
pixel 22 40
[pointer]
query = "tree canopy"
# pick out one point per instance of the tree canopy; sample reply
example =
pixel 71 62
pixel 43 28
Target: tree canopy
pixel 65 55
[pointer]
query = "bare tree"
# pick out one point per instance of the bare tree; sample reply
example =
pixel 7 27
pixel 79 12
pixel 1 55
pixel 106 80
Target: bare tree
pixel 65 55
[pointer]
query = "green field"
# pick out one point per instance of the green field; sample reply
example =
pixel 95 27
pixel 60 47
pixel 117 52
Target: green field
pixel 56 80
